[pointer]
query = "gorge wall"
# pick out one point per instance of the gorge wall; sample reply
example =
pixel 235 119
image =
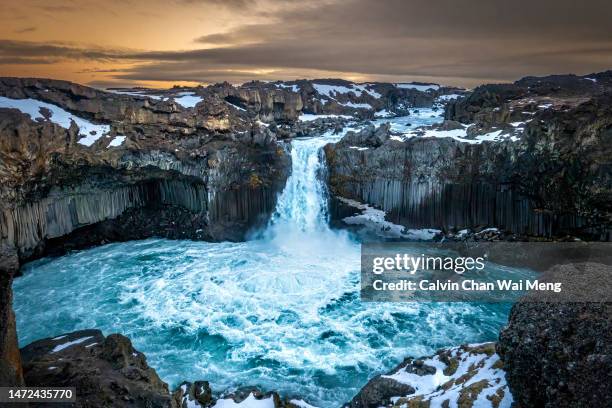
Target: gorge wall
pixel 179 173
pixel 534 163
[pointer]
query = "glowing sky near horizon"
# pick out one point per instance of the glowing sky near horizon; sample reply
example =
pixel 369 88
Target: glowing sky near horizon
pixel 160 43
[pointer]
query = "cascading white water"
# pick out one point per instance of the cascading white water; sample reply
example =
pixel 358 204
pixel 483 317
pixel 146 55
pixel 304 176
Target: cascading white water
pixel 281 312
pixel 300 222
pixel 302 204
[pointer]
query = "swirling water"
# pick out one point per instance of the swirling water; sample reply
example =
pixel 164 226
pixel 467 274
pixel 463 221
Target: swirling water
pixel 281 311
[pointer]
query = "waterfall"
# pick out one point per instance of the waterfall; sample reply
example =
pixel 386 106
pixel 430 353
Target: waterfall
pixel 303 203
pixel 300 221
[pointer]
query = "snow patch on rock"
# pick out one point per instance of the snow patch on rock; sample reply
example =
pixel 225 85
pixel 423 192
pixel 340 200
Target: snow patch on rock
pixel 374 220
pixel 357 105
pixel 117 141
pixel 471 372
pixel 90 131
pixel 460 135
pixel 418 87
pixel 64 346
pixel 307 117
pixel 450 97
pixel 187 99
pixel 249 402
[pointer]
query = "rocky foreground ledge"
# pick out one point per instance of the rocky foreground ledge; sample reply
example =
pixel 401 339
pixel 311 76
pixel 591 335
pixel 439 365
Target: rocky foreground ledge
pixel 108 371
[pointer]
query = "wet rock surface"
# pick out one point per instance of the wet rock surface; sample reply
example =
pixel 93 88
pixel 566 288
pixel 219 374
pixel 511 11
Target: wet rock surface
pixel 559 354
pixel 109 372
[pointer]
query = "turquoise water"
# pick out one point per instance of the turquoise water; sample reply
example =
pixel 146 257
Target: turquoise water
pixel 281 311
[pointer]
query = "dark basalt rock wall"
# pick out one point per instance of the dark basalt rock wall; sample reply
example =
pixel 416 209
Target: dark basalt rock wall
pixel 11 373
pixel 194 183
pixel 444 184
pixel 174 207
pixel 555 180
pixel 560 354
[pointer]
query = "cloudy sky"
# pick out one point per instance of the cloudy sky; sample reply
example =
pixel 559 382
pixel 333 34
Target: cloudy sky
pixel 163 42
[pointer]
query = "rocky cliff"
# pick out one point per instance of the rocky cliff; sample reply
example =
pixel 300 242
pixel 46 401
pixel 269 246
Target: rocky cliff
pixel 81 166
pixel 285 101
pixel 92 166
pixel 532 160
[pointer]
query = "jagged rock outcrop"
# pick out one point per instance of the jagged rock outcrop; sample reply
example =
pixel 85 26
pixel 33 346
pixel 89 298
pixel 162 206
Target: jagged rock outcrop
pixel 559 354
pixel 106 371
pixel 284 101
pixel 171 174
pixel 190 394
pixel 199 394
pixel 504 103
pixel 128 109
pixel 464 377
pixel 547 176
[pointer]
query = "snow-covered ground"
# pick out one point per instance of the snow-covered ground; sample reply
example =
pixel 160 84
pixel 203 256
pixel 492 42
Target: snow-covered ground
pixel 357 105
pixel 449 97
pixel 332 90
pixel 459 135
pixel 187 99
pixel 90 131
pixel 117 141
pixel 141 94
pixel 418 87
pixel 249 402
pixel 294 88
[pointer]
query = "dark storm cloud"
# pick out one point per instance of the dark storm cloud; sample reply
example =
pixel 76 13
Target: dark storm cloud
pixel 26 49
pixel 25 61
pixel 226 3
pixel 464 42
